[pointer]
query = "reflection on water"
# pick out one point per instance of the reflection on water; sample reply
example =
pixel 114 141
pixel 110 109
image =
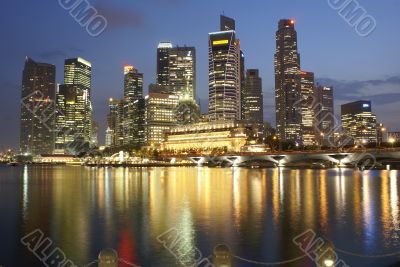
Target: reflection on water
pixel 257 212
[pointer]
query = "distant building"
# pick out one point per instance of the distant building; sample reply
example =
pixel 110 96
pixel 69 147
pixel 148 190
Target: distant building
pixel 253 110
pixel 78 73
pixel 115 122
pixel 109 137
pixel 359 122
pixel 74 118
pixel 325 123
pixel 210 137
pixel 176 68
pixel 224 74
pixel 287 83
pixel 227 24
pixel 160 116
pixel 307 109
pixel 37 108
pixel 134 108
pixel 163 51
pixel 95 134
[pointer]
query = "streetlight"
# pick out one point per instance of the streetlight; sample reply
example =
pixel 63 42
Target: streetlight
pixel 322 139
pixel 392 141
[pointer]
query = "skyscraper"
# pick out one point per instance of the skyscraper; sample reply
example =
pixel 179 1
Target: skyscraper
pixel 115 122
pixel 163 51
pixel 78 73
pixel 224 75
pixel 359 122
pixel 74 106
pixel 326 122
pixel 182 72
pixel 227 24
pixel 176 68
pixel 134 108
pixel 287 83
pixel 307 108
pixel 253 110
pixel 37 108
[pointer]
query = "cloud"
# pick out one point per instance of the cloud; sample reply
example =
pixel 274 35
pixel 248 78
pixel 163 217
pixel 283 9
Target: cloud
pixel 383 91
pixel 59 53
pixel 118 17
pixel 384 94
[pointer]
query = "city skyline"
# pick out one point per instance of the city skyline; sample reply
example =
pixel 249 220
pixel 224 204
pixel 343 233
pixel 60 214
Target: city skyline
pixel 100 103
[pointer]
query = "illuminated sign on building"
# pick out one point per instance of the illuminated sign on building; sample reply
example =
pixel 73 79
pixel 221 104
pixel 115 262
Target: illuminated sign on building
pixel 221 42
pixel 365 105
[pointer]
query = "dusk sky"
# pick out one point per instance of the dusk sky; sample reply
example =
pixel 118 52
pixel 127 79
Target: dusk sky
pixel 365 68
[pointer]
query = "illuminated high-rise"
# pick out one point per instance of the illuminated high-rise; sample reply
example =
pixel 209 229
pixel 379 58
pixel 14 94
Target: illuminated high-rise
pixel 37 108
pixel 163 51
pixel 176 68
pixel 115 123
pixel 134 108
pixel 160 116
pixel 326 122
pixel 287 83
pixel 359 122
pixel 307 108
pixel 74 106
pixel 224 81
pixel 253 97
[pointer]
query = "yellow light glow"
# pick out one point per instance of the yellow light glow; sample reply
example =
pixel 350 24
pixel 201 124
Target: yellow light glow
pixel 221 42
pixel 329 263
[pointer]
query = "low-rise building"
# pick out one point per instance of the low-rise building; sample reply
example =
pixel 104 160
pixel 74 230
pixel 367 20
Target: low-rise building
pixel 210 136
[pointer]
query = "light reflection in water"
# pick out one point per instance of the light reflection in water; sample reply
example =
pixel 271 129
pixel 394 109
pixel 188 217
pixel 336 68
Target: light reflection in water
pixel 250 209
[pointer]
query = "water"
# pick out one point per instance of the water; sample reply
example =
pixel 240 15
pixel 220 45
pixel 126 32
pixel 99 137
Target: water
pixel 256 212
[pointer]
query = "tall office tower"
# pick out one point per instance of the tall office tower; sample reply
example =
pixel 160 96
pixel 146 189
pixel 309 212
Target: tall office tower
pixel 163 51
pixel 160 116
pixel 78 73
pixel 176 68
pixel 224 76
pixel 227 24
pixel 182 72
pixel 70 118
pixel 37 108
pixel 113 122
pixel 287 83
pixel 325 121
pixel 359 122
pixel 307 108
pixel 253 98
pixel 134 108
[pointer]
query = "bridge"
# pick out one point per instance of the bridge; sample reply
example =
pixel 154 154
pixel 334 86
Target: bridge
pixel 382 158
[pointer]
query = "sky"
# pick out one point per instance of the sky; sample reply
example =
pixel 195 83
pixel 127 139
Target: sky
pixel 358 67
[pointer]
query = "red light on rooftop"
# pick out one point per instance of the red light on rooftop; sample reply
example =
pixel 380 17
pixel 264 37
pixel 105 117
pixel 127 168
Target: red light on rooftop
pixel 292 21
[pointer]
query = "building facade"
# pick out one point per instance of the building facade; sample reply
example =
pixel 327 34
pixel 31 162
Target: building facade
pixel 176 68
pixel 224 76
pixel 160 116
pixel 359 122
pixel 287 83
pixel 209 137
pixel 307 108
pixel 37 120
pixel 74 119
pixel 252 108
pixel 326 123
pixel 134 108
